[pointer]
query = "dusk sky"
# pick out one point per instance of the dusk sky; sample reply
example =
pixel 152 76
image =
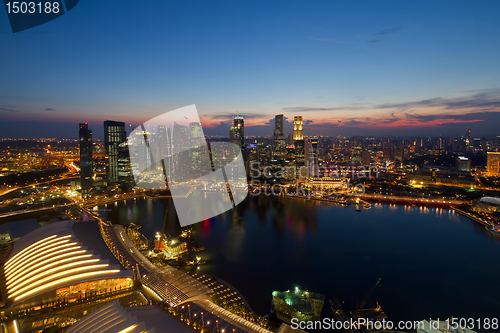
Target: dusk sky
pixel 407 68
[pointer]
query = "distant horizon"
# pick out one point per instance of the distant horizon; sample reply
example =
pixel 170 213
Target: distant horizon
pixel 349 68
pixel 71 130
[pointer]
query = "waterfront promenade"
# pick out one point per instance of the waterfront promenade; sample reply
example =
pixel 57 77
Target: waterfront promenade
pixel 390 199
pixel 471 216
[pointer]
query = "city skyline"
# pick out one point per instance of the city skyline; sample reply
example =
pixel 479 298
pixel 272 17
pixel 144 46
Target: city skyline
pixel 250 166
pixel 397 69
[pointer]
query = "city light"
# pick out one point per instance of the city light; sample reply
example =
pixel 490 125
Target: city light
pixel 128 329
pixel 67 279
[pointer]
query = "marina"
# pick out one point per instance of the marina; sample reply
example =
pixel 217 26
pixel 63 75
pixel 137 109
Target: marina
pixel 332 249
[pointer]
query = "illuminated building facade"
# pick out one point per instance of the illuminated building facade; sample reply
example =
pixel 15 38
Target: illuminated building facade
pixel 181 160
pixel 463 164
pixel 298 144
pixel 493 163
pixel 195 151
pixel 61 263
pixel 279 144
pixel 237 131
pixel 163 148
pixel 116 149
pixel 311 155
pixel 298 128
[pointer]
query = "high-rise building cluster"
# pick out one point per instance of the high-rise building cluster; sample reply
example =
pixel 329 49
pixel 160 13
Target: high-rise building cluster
pixel 179 154
pixel 293 156
pixel 117 161
pixel 300 156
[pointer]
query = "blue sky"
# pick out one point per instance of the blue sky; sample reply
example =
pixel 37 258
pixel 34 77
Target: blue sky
pixel 349 67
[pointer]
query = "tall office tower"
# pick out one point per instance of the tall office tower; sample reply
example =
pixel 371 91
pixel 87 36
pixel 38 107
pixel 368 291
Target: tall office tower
pixel 493 163
pixel 279 124
pixel 125 174
pixel 194 134
pixel 239 123
pixel 299 145
pixel 279 145
pixel 299 153
pixel 163 150
pixel 442 142
pixel 251 158
pixel 298 128
pixel 195 150
pixel 264 152
pixel 398 157
pixel 468 142
pixel 237 132
pixel 311 152
pixel 476 144
pixel 114 140
pixel 180 152
pixel 86 172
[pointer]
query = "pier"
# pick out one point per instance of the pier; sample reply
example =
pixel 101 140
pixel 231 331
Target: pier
pixel 471 216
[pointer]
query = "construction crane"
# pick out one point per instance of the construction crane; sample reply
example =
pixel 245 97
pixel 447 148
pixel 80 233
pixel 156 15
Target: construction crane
pixel 363 302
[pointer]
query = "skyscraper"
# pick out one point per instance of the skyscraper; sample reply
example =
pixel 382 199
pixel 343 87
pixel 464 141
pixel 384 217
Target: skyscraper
pixel 114 145
pixel 298 144
pixel 195 150
pixel 298 128
pixel 468 141
pixel 237 131
pixel 279 146
pixel 86 172
pixel 180 152
pixel 311 152
pixel 279 125
pixel 163 148
pixel 493 163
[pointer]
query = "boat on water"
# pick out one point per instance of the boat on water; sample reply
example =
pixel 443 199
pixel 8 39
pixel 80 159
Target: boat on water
pixel 494 229
pixel 340 314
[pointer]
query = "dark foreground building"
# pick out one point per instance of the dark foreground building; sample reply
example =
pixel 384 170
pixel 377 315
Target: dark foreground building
pixel 86 165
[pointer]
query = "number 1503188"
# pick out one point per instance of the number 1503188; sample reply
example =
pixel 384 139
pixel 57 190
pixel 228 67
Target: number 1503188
pixel 32 7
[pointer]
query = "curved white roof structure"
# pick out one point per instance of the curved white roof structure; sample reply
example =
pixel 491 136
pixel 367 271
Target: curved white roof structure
pixel 57 255
pixel 490 200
